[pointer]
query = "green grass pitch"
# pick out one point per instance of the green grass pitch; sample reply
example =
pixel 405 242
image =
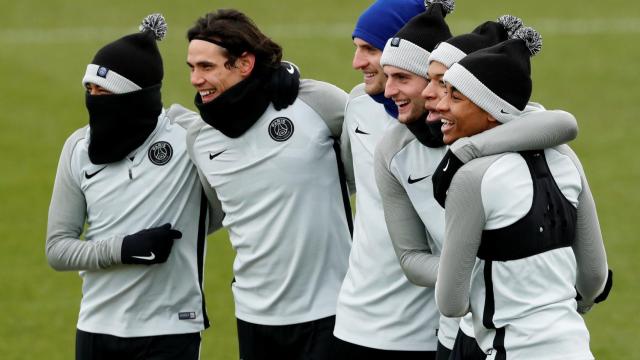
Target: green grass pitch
pixel 588 66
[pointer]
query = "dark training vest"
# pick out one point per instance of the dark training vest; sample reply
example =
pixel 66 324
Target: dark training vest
pixel 550 223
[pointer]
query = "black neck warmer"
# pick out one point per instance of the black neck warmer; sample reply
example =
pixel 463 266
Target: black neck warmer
pixel 239 107
pixel 120 123
pixel 428 134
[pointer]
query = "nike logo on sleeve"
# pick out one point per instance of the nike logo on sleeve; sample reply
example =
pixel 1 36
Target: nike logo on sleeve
pixel 149 258
pixel 411 181
pixel 89 176
pixel 213 156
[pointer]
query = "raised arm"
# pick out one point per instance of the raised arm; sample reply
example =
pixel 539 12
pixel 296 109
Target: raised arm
pixel 536 129
pixel 182 116
pixel 329 101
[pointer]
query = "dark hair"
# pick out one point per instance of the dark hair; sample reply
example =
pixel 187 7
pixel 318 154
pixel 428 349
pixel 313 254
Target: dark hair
pixel 237 33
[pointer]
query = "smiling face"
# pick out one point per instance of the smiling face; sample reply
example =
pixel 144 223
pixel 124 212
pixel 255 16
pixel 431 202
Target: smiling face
pixel 461 117
pixel 435 90
pixel 209 74
pixel 367 60
pixel 404 88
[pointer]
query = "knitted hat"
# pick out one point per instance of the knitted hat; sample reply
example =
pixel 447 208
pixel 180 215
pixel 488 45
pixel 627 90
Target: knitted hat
pixel 498 78
pixel 132 62
pixel 487 34
pixel 384 18
pixel 411 46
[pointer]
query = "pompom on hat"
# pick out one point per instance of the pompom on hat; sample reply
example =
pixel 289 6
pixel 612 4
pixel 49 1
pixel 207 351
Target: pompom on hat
pixel 486 34
pixel 410 48
pixel 498 78
pixel 132 62
pixel 384 18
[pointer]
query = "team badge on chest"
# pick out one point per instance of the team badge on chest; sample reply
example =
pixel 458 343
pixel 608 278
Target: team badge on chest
pixel 281 129
pixel 160 153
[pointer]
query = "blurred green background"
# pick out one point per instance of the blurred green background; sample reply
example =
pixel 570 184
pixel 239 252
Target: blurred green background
pixel 589 66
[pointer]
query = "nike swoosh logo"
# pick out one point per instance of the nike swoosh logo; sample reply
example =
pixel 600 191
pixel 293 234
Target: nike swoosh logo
pixel 358 131
pixel 150 257
pixel 89 176
pixel 411 181
pixel 290 69
pixel 213 156
pixel 503 112
pixel 446 166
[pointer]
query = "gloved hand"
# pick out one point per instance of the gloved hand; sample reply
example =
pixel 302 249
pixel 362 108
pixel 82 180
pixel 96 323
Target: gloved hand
pixel 283 85
pixel 444 174
pixel 583 307
pixel 149 246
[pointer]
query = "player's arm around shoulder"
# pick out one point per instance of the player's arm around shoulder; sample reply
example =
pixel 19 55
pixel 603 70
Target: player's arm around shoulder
pixel 67 212
pixel 182 116
pixel 536 128
pixel 330 102
pixel 327 100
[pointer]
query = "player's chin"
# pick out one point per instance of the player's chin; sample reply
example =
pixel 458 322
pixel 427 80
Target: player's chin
pixel 404 116
pixel 449 135
pixel 373 88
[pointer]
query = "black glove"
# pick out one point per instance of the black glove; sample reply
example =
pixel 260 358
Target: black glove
pixel 149 246
pixel 283 85
pixel 444 174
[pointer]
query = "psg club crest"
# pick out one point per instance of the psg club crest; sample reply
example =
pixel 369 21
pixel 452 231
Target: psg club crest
pixel 280 129
pixel 103 71
pixel 160 153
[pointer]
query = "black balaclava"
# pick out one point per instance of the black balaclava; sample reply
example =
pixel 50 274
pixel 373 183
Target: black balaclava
pixel 120 123
pixel 131 68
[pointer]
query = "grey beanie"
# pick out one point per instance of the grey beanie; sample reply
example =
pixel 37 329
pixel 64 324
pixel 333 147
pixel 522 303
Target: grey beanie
pixel 412 45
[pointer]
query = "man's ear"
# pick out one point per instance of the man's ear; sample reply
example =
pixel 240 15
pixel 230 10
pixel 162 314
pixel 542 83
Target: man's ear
pixel 491 121
pixel 245 63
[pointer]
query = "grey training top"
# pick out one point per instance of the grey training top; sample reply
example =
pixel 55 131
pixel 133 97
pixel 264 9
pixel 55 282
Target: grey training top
pixel 279 187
